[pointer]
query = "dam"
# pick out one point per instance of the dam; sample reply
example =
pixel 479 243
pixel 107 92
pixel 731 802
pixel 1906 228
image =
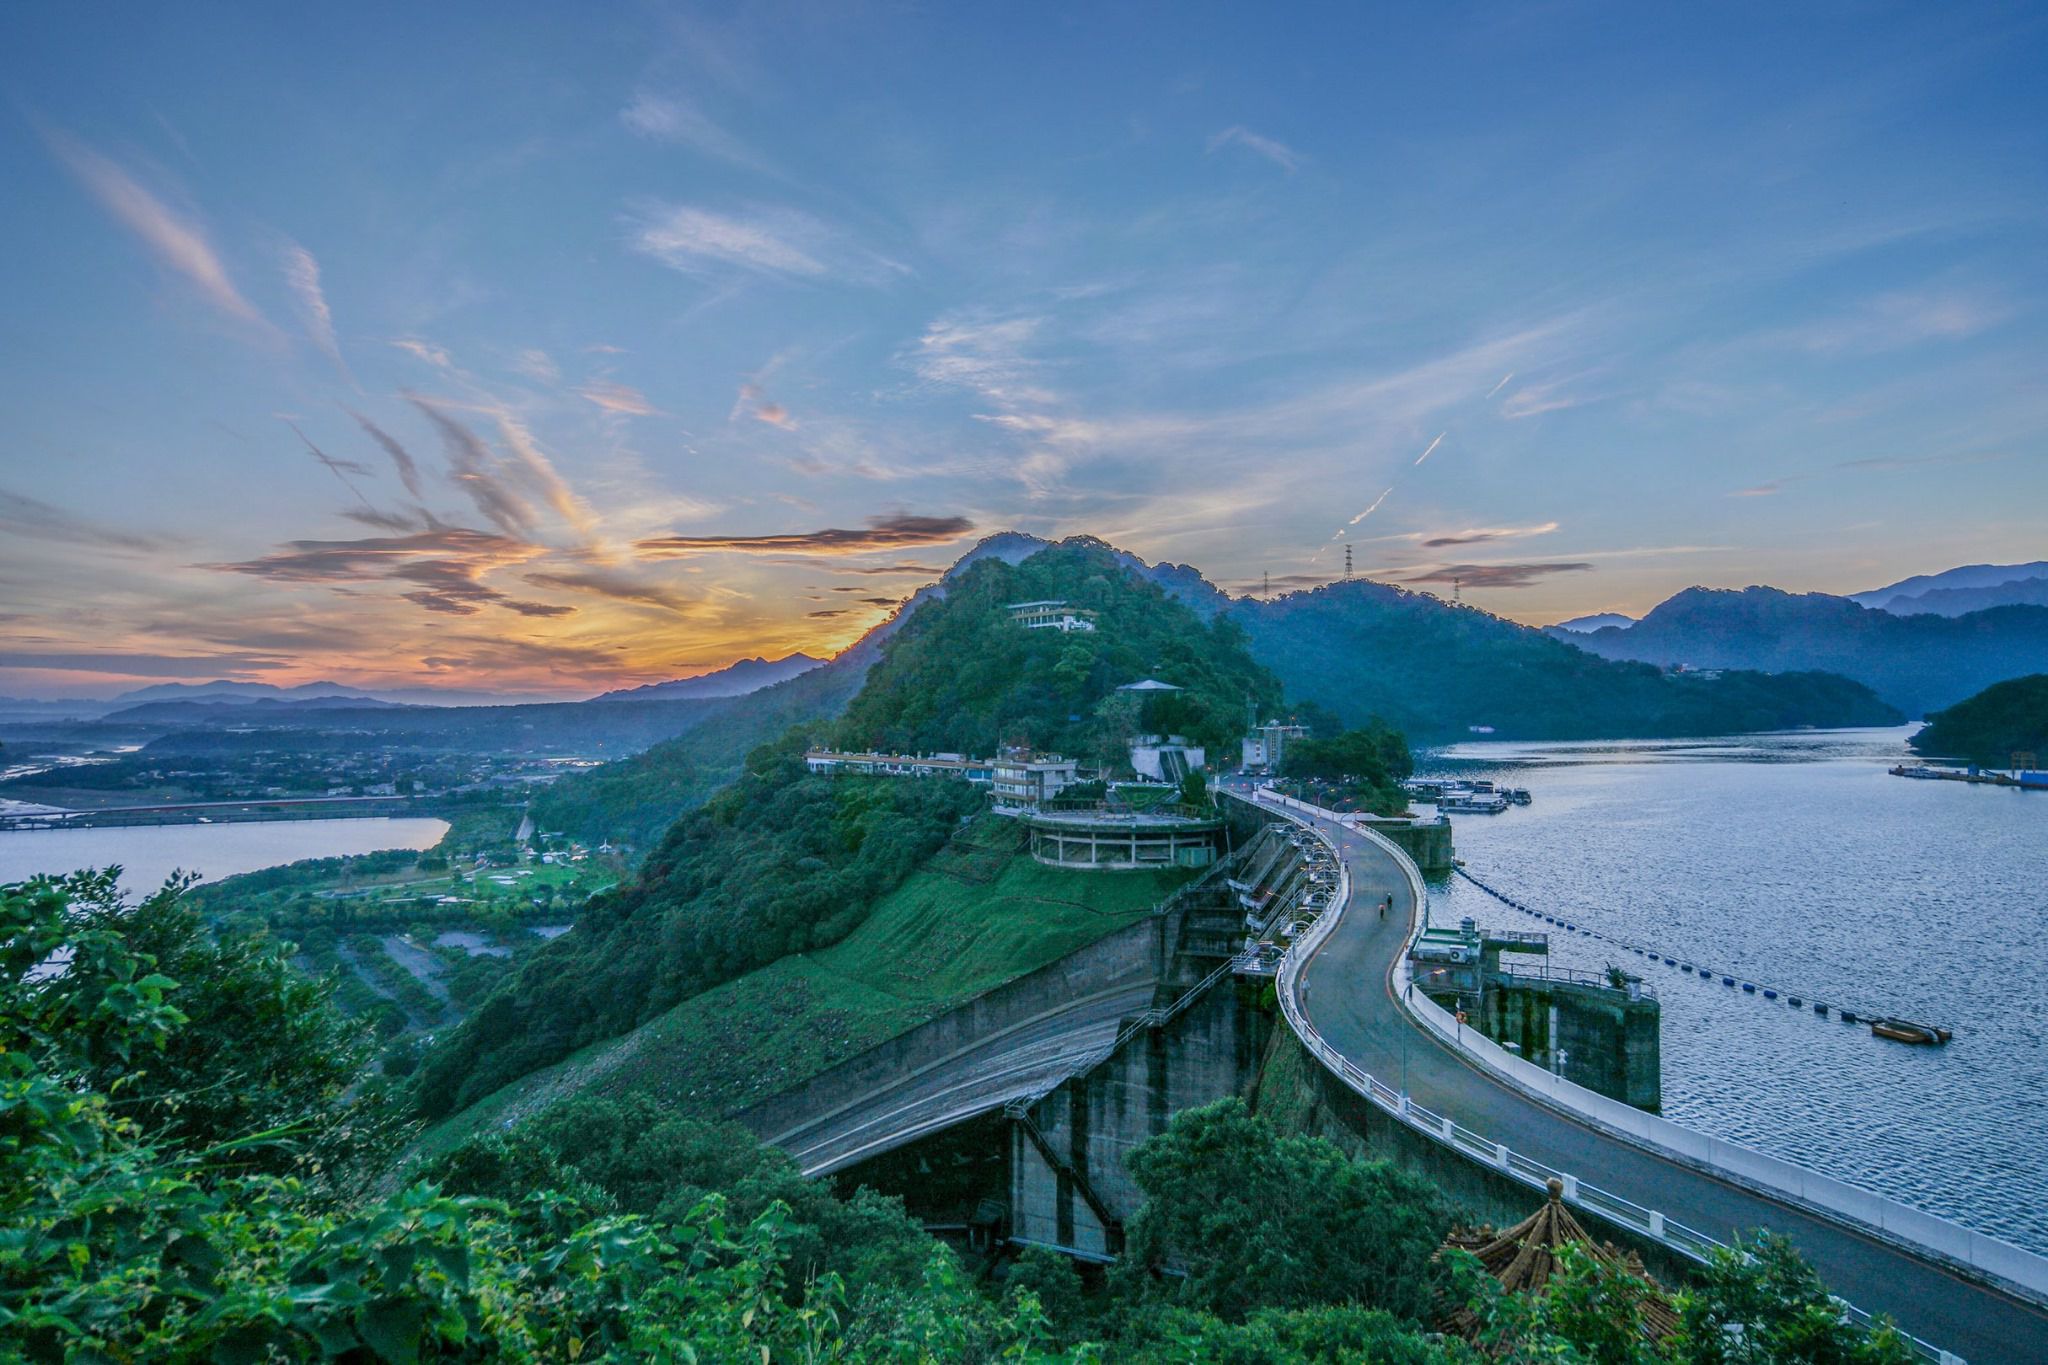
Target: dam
pixel 1028 1104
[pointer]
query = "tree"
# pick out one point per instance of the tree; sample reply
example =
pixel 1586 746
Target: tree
pixel 1759 1303
pixel 262 1047
pixel 1263 1221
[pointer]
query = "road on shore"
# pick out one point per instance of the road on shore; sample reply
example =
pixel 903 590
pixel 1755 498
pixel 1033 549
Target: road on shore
pixel 1347 996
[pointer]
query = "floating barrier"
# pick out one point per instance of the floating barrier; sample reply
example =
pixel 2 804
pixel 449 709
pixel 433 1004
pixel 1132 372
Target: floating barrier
pixel 1820 1008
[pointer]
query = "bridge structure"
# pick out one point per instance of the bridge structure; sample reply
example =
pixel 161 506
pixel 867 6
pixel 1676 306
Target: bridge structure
pixel 1344 993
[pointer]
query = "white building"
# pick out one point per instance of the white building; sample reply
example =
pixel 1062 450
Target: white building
pixel 976 770
pixel 1051 615
pixel 1165 758
pixel 1266 745
pixel 1028 780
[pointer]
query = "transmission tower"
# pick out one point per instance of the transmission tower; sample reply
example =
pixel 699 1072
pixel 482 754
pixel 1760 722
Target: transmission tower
pixel 1347 561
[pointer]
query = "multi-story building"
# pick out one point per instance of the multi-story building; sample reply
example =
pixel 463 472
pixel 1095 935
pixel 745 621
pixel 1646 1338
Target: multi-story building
pixel 1025 780
pixel 1266 745
pixel 1055 614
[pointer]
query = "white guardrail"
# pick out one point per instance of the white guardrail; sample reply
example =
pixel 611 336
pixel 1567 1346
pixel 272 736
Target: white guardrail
pixel 1918 1231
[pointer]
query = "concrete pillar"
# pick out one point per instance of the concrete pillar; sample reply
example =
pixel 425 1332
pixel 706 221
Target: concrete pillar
pixel 1500 1155
pixel 1657 1224
pixel 1571 1189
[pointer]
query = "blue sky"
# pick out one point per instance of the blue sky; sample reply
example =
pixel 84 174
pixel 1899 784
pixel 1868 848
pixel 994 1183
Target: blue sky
pixel 558 347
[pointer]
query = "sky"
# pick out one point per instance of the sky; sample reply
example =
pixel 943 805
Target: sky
pixel 551 348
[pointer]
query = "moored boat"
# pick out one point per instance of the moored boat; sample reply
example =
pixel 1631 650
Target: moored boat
pixel 1907 1031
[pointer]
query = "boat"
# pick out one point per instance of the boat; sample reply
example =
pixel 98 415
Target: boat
pixel 1906 1031
pixel 1516 795
pixel 1472 803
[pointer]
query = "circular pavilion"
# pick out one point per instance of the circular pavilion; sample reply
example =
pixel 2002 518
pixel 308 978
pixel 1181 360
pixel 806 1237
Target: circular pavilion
pixel 1098 838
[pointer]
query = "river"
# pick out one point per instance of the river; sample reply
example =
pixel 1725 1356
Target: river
pixel 148 854
pixel 1796 861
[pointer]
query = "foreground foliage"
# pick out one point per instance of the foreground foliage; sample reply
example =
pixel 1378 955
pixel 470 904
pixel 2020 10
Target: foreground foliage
pixel 146 1221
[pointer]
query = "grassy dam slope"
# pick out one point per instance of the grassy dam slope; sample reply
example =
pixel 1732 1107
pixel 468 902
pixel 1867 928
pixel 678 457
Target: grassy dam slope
pixel 979 913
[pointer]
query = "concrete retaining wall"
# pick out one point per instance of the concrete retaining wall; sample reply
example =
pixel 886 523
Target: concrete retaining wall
pixel 1136 954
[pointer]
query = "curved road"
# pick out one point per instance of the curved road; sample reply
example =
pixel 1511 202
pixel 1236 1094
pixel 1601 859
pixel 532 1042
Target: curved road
pixel 1347 996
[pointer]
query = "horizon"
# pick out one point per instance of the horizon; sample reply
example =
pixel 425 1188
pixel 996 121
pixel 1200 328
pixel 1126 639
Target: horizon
pixel 625 347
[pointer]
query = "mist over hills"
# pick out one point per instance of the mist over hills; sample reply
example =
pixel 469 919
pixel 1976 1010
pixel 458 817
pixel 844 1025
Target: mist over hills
pixel 1918 663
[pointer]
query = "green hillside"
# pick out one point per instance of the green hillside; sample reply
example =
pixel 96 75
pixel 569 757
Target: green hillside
pixel 962 676
pixel 2004 719
pixel 780 862
pixel 1433 670
pixel 634 800
pixel 978 914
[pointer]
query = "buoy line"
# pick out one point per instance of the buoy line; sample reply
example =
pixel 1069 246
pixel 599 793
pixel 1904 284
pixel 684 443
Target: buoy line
pixel 1795 999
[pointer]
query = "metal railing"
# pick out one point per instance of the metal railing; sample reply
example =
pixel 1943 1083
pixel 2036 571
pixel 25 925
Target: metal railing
pixel 1441 1128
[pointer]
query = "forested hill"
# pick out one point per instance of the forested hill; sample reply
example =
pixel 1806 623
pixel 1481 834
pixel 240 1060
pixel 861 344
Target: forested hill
pixel 785 861
pixel 1917 663
pixel 1434 669
pixel 634 800
pixel 962 676
pixel 2004 719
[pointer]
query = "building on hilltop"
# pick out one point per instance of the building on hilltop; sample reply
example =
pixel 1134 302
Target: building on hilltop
pixel 1149 687
pixel 1022 780
pixel 1266 745
pixel 980 771
pixel 1054 614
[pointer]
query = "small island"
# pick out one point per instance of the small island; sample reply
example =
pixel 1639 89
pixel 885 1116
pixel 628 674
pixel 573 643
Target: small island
pixel 2004 725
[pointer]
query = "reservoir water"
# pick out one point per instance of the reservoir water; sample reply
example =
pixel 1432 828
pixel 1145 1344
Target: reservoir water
pixel 148 854
pixel 1796 861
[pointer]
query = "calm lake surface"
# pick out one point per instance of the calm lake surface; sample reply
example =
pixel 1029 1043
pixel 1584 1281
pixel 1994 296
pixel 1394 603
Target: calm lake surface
pixel 1796 861
pixel 149 854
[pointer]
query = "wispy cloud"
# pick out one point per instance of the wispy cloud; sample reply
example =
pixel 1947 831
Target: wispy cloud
pixel 1274 150
pixel 175 239
pixel 752 402
pixel 302 273
pixel 671 118
pixel 537 365
pixel 986 355
pixel 341 469
pixel 1871 464
pixel 145 665
pixel 478 472
pixel 1896 321
pixel 1496 575
pixel 441 570
pixel 775 242
pixel 881 533
pixel 1483 535
pixel 425 350
pixel 617 586
pixel 34 519
pixel 408 468
pixel 617 398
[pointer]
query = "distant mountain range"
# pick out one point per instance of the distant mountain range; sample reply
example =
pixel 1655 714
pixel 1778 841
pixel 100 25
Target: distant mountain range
pixel 1581 625
pixel 1918 663
pixel 734 680
pixel 1958 592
